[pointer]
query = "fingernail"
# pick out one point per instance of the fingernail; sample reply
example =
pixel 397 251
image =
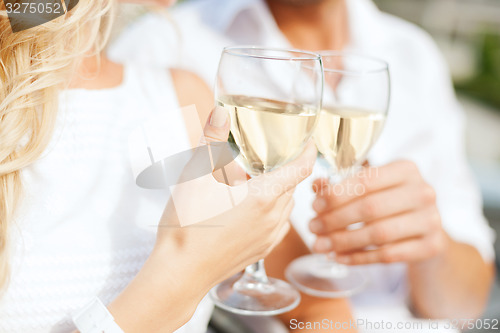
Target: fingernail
pixel 219 117
pixel 323 244
pixel 346 260
pixel 319 205
pixel 316 226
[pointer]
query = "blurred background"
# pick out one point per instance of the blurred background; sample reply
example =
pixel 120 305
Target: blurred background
pixel 468 33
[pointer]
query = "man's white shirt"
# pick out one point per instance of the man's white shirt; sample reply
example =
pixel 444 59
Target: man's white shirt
pixel 425 122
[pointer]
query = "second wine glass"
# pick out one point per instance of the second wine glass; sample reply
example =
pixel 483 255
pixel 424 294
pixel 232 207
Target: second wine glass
pixel 273 97
pixel 355 105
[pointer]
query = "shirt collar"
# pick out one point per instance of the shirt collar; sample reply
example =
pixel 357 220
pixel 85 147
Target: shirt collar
pixel 365 24
pixel 227 11
pixel 364 19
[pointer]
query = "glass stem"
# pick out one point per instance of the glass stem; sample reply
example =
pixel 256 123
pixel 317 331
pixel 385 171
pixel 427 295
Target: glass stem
pixel 335 179
pixel 256 273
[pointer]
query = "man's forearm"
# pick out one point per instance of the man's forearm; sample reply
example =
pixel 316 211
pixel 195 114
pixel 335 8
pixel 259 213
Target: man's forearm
pixel 455 284
pixel 312 310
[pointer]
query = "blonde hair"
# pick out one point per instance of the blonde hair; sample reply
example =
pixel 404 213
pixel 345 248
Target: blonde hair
pixel 34 65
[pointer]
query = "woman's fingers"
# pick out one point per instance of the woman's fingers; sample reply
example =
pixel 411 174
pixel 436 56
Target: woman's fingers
pixel 283 226
pixel 231 174
pixel 287 177
pixel 217 127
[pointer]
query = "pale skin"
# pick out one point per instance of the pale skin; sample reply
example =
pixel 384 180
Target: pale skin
pixel 187 262
pixel 447 279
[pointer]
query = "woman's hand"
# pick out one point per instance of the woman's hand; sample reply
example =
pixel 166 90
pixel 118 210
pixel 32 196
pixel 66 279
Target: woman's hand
pixel 399 211
pixel 229 227
pixel 208 232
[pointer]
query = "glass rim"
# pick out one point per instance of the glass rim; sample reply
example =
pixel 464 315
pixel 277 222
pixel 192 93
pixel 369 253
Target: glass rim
pixel 238 51
pixel 384 65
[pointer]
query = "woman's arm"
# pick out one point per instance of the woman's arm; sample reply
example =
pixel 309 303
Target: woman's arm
pixel 188 261
pixel 165 293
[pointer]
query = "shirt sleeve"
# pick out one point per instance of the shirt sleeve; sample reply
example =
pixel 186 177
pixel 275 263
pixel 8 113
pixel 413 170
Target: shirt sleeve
pixel 458 195
pixel 152 40
pixel 429 123
pixel 177 39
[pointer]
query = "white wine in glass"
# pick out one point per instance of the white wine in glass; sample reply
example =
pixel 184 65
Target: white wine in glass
pixel 267 133
pixel 357 130
pixel 273 97
pixel 355 105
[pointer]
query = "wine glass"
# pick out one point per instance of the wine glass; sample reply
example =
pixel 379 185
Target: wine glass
pixel 355 105
pixel 273 97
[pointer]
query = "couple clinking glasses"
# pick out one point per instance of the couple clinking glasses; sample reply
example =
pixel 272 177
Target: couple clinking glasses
pixel 75 226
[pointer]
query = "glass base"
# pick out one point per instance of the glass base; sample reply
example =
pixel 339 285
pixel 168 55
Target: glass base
pixel 252 298
pixel 320 276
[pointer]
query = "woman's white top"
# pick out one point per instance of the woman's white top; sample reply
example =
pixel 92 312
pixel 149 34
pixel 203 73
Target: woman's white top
pixel 85 228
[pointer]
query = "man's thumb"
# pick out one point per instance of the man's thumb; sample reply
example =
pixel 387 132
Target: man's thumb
pixel 217 127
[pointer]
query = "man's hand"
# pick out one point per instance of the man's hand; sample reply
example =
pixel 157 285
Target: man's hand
pixel 398 208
